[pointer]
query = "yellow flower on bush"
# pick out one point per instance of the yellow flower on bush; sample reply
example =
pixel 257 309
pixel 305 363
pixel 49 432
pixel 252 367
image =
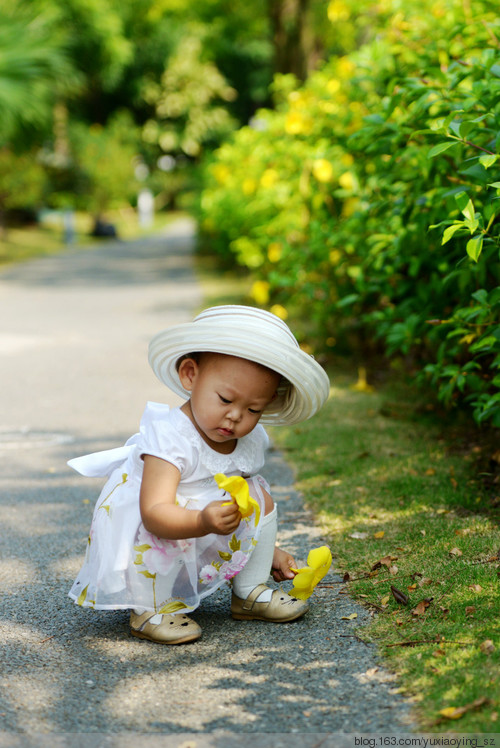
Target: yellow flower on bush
pixel 346 180
pixel 333 85
pixel 274 251
pixel 237 488
pixel 269 178
pixel 335 256
pixel 337 11
pixel 305 580
pixel 349 206
pixel 249 186
pixel 322 170
pixel 221 173
pixel 297 123
pixel 279 311
pixel 260 292
pixel 345 67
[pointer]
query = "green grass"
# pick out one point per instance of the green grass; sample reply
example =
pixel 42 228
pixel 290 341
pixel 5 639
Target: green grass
pixel 388 481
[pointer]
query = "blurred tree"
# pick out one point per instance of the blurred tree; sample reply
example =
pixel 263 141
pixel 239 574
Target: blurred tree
pixel 188 103
pixel 35 70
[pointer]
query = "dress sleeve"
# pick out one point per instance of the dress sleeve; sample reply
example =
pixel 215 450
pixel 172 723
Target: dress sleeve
pixel 159 437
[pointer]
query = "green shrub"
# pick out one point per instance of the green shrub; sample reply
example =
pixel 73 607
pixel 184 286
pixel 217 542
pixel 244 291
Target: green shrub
pixel 367 201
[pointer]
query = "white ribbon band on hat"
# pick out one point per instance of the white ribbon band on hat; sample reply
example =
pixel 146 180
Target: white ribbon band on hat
pixel 253 334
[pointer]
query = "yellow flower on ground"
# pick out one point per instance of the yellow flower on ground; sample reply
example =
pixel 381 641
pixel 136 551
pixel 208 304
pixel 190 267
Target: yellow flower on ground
pixel 322 170
pixel 319 561
pixel 237 487
pixel 260 292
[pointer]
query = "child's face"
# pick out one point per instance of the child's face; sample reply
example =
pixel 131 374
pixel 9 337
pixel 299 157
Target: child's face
pixel 228 396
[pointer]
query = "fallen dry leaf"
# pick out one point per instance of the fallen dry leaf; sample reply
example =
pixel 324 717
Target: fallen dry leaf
pixel 351 617
pixel 412 586
pixel 346 577
pixel 470 610
pixel 393 570
pixel 430 471
pixel 487 647
pixel 379 535
pixel 475 587
pixel 456 552
pixel 439 653
pixel 385 600
pixel 421 607
pixel 455 712
pixel 425 581
pixel 358 535
pixel 464 531
pixel 399 596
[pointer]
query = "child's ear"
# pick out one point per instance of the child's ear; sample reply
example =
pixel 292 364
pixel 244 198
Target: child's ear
pixel 188 371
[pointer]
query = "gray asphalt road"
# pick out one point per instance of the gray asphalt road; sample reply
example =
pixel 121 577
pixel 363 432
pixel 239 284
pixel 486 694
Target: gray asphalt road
pixel 74 331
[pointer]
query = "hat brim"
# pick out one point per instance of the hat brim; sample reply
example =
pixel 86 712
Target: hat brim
pixel 244 339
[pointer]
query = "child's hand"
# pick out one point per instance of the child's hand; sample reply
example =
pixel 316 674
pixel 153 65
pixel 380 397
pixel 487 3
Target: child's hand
pixel 221 517
pixel 282 561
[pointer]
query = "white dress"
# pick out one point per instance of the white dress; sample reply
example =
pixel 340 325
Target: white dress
pixel 128 567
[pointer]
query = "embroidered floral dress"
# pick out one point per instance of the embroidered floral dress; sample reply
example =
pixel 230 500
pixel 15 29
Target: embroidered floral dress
pixel 128 567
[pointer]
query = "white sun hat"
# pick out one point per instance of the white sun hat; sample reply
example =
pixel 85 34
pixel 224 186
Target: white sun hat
pixel 253 334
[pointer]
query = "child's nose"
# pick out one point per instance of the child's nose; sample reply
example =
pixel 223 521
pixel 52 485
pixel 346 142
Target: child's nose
pixel 234 413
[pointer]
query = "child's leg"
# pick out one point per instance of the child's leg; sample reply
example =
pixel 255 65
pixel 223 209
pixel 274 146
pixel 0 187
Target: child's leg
pixel 258 568
pixel 252 599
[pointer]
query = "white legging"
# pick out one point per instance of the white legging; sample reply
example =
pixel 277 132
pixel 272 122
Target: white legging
pixel 258 568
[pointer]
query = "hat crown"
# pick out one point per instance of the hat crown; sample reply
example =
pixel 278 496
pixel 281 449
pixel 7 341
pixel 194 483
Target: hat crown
pixel 261 321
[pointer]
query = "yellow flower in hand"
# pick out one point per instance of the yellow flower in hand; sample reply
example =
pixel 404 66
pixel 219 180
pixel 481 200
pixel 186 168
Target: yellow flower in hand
pixel 237 487
pixel 319 561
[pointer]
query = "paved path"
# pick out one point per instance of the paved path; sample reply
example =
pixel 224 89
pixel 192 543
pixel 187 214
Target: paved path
pixel 74 331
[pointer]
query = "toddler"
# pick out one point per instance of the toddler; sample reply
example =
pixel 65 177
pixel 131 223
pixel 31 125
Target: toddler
pixel 163 534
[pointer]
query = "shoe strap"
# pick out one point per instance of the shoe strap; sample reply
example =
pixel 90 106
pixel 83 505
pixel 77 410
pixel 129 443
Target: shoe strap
pixel 252 597
pixel 141 621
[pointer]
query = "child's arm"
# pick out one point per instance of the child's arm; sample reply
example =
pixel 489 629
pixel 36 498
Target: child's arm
pixel 164 518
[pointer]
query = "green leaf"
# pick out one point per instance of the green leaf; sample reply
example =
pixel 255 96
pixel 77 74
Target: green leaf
pixel 474 247
pixel 494 184
pixel 481 295
pixel 468 211
pixel 461 199
pixel 451 231
pixel 488 342
pixel 488 160
pixel 439 148
pixel 234 544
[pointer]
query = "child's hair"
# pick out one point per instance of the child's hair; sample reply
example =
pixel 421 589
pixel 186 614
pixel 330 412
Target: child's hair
pixel 283 389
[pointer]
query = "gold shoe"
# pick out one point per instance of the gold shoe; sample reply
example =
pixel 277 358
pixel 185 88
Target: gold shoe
pixel 178 629
pixel 281 608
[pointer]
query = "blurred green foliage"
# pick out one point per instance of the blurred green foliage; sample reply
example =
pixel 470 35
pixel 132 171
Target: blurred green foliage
pixel 367 202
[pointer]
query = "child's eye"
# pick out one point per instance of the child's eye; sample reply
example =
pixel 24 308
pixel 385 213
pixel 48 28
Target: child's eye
pixel 255 412
pixel 224 400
